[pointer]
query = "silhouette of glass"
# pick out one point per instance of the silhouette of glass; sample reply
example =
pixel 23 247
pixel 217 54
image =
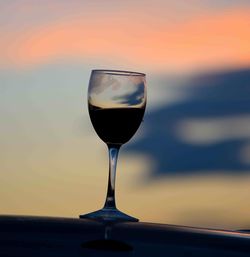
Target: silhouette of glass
pixel 116 103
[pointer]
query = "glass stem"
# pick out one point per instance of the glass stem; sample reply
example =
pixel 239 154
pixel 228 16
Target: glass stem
pixel 113 156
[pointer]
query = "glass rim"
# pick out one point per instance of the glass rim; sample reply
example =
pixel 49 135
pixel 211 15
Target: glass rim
pixel 118 72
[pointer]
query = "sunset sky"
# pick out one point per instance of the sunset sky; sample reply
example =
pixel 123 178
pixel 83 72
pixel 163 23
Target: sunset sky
pixel 52 162
pixel 145 34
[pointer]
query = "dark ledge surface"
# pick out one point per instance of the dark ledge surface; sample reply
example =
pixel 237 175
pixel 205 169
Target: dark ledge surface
pixel 48 236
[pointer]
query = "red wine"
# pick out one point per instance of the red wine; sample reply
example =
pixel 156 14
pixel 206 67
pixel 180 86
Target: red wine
pixel 116 125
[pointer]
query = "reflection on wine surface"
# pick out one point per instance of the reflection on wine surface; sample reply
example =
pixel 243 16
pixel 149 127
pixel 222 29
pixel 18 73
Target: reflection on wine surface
pixel 116 101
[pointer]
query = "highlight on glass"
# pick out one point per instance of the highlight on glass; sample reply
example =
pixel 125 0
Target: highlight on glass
pixel 116 104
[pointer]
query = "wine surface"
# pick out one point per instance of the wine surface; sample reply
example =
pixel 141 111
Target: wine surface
pixel 116 125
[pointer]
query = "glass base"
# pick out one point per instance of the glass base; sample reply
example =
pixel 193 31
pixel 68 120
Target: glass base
pixel 108 214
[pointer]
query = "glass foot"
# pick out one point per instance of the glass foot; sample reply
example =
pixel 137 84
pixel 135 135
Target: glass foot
pixel 108 214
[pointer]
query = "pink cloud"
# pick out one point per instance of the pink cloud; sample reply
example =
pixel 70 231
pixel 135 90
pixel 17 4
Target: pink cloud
pixel 207 40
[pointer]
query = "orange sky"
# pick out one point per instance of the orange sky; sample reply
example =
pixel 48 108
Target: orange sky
pixel 207 40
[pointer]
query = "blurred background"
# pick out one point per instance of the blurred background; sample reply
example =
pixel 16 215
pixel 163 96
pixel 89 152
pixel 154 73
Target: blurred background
pixel 188 164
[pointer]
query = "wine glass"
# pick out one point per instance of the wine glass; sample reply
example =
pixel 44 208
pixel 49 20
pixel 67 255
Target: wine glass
pixel 116 103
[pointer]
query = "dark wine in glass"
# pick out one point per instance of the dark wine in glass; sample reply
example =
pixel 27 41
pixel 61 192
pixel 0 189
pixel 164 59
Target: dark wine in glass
pixel 116 102
pixel 116 125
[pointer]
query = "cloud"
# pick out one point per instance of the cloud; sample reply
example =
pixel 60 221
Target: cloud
pixel 207 40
